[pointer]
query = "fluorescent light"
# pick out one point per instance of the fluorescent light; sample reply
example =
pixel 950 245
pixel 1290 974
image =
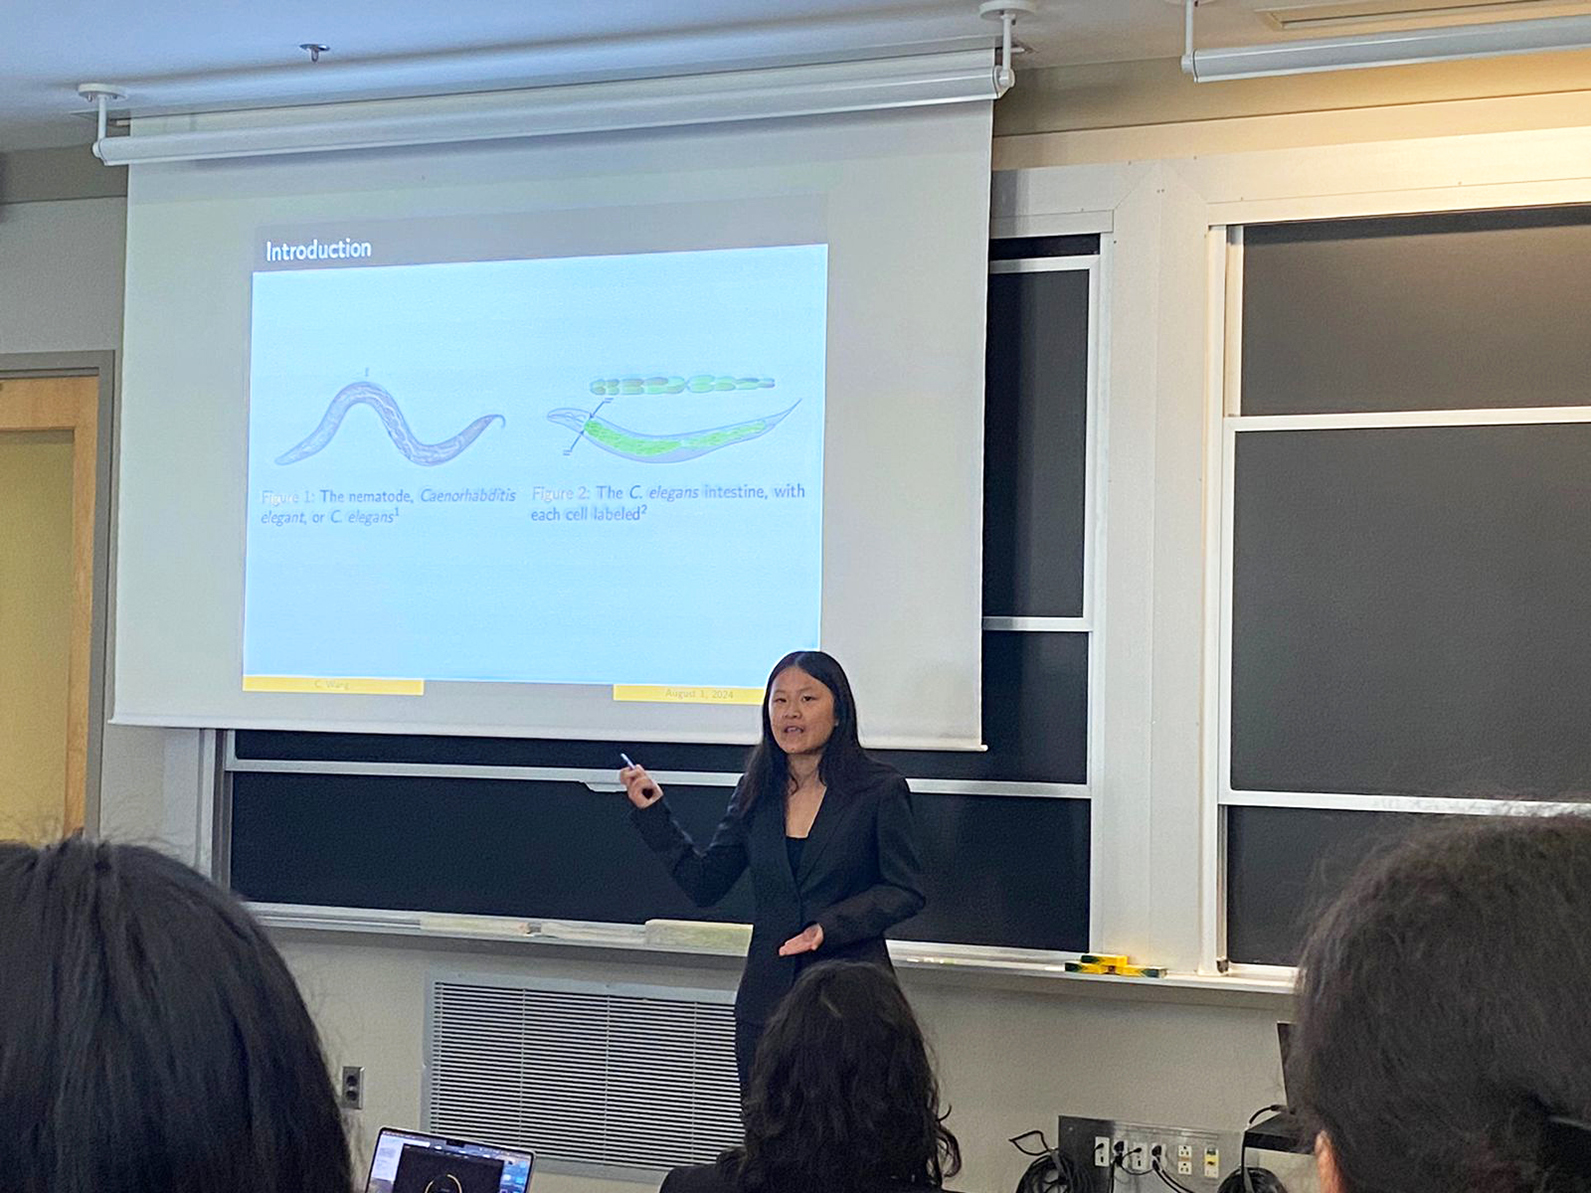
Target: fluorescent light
pixel 1390 49
pixel 1301 16
pixel 825 89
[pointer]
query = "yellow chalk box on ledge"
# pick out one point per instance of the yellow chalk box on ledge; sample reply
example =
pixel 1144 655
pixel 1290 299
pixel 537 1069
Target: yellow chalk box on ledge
pixel 1104 958
pixel 1113 963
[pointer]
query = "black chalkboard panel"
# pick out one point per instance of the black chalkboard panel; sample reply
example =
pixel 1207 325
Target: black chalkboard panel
pixel 465 846
pixel 1433 312
pixel 1015 248
pixel 1283 865
pixel 1035 723
pixel 1035 444
pixel 1410 611
pixel 1005 871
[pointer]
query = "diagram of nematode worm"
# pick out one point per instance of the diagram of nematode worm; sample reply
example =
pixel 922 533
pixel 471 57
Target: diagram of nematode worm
pixel 365 393
pixel 662 449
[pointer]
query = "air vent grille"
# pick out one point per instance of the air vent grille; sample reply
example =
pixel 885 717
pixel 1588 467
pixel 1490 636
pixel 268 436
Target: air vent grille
pixel 583 1073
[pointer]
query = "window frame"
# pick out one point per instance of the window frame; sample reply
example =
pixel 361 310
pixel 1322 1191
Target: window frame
pixel 1095 265
pixel 1226 423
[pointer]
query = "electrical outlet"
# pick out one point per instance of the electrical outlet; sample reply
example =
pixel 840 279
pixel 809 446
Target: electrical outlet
pixel 1134 1152
pixel 1136 1158
pixel 351 1094
pixel 1212 1163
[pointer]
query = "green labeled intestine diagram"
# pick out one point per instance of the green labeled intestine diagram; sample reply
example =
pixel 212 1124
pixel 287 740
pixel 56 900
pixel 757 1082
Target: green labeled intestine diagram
pixel 676 446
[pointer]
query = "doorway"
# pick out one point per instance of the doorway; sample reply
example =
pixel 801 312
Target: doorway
pixel 49 450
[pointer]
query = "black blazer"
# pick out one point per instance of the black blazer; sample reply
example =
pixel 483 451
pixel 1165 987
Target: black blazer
pixel 719 1178
pixel 858 876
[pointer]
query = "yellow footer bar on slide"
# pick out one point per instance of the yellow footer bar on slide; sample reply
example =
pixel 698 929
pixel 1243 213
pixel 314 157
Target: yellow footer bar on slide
pixel 671 694
pixel 334 687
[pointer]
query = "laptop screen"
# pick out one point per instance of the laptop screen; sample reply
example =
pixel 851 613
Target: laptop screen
pixel 407 1162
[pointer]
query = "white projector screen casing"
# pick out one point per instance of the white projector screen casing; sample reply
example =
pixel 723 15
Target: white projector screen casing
pixel 905 202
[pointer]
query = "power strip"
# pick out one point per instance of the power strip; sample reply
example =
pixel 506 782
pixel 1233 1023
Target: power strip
pixel 1194 1158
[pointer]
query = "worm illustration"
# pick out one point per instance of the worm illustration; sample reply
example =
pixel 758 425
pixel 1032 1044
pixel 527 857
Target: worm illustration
pixel 386 407
pixel 662 449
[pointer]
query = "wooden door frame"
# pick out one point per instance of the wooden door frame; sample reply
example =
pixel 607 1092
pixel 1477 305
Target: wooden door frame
pixel 98 468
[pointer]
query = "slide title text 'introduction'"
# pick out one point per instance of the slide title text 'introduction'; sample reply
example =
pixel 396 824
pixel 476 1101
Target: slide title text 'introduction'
pixel 337 250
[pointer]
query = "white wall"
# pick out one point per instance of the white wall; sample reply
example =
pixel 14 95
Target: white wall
pixel 61 291
pixel 61 275
pixel 1010 1059
pixel 1139 111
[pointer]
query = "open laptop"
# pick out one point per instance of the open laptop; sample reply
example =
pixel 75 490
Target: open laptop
pixel 1281 1131
pixel 408 1162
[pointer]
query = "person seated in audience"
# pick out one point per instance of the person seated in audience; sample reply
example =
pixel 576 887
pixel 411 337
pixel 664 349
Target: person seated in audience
pixel 843 1097
pixel 151 1038
pixel 1443 1041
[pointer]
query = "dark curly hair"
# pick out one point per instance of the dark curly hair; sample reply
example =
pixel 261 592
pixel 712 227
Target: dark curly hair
pixel 843 1096
pixel 151 1037
pixel 1445 1012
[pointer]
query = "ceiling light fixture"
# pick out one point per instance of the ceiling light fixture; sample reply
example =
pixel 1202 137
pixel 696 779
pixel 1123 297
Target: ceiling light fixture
pixel 1445 44
pixel 1303 16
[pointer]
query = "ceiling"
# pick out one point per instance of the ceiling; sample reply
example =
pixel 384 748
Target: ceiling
pixel 182 55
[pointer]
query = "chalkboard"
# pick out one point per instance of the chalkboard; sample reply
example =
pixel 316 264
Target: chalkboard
pixel 1035 444
pixel 1019 248
pixel 1003 870
pixel 1284 865
pixel 1006 871
pixel 1410 609
pixel 1431 312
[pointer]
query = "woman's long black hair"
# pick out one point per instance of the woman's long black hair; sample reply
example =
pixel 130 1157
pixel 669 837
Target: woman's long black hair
pixel 1445 1013
pixel 768 766
pixel 843 1096
pixel 151 1037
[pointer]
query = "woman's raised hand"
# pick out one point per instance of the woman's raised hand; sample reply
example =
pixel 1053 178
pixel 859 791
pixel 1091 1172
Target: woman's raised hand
pixel 640 786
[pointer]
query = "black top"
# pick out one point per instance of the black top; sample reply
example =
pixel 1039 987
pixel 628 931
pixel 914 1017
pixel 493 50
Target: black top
pixel 794 847
pixel 719 1178
pixel 858 875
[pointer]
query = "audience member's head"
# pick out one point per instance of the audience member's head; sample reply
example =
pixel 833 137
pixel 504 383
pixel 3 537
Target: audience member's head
pixel 1444 1028
pixel 151 1038
pixel 843 1095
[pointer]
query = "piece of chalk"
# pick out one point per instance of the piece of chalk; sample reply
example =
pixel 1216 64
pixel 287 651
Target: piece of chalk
pixel 1139 971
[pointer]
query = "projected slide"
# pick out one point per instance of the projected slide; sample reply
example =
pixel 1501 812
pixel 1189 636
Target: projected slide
pixel 597 470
